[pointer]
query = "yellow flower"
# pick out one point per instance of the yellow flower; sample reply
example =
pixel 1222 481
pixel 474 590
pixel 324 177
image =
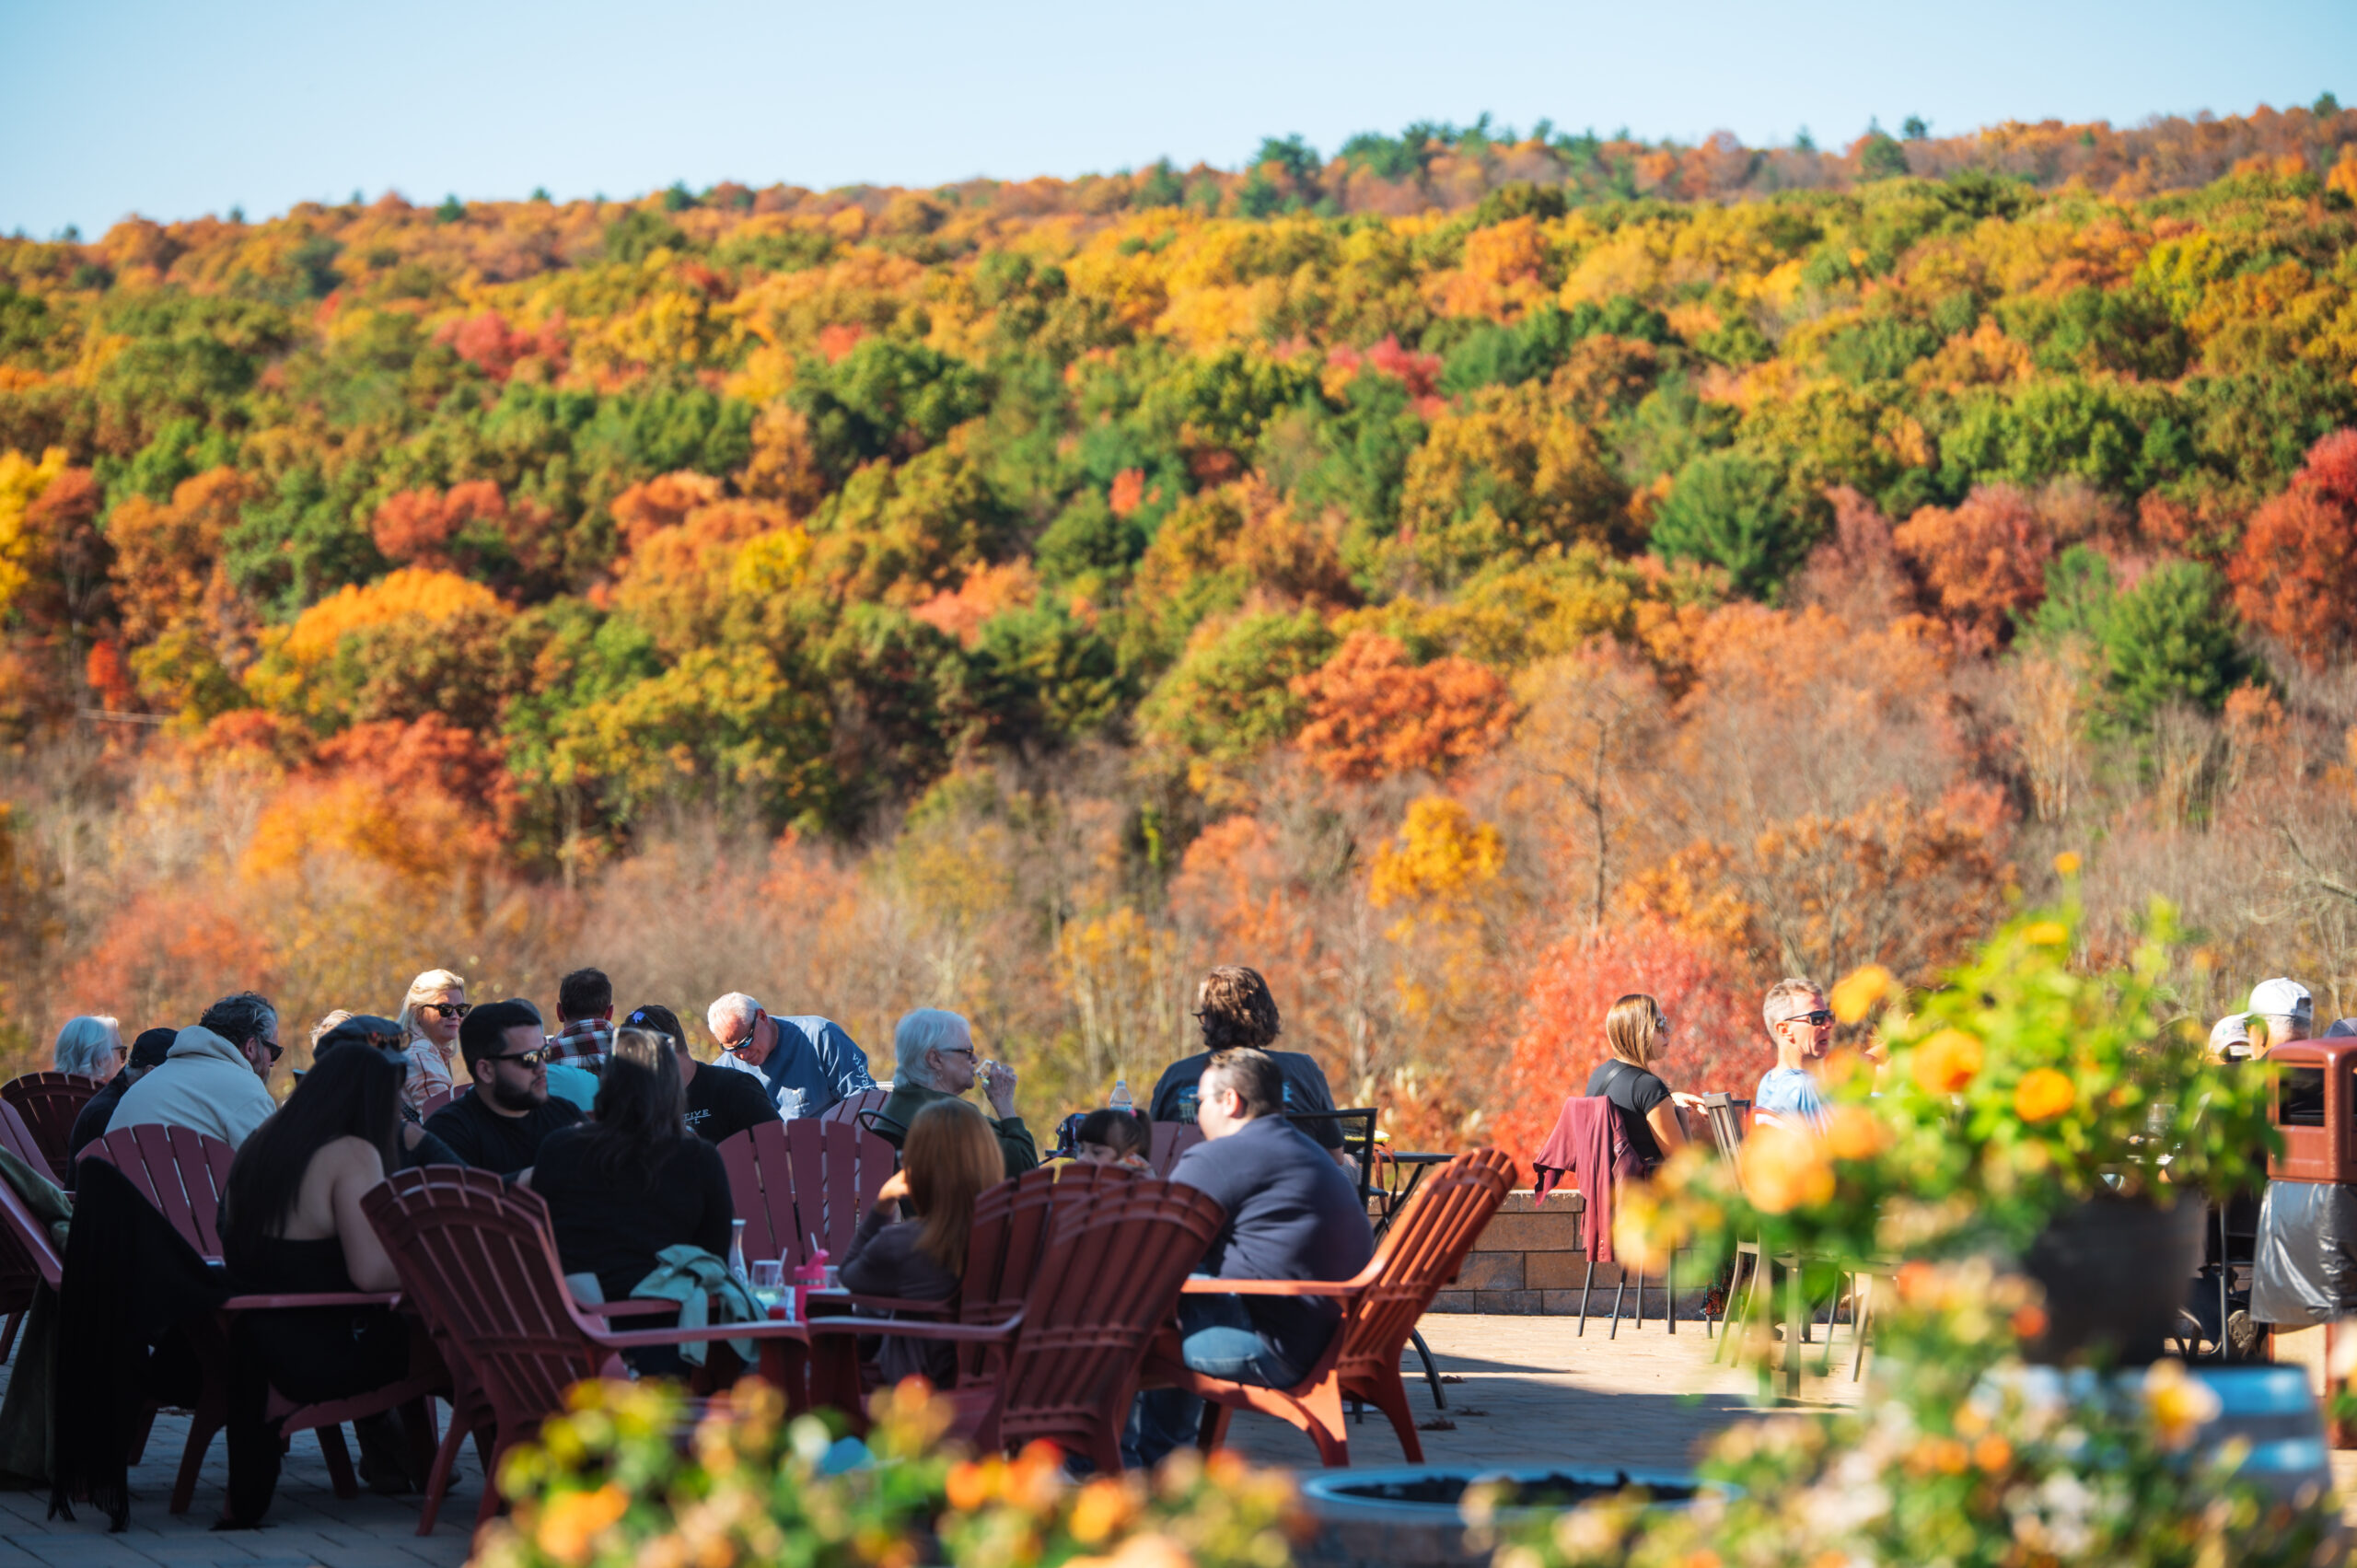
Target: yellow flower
pixel 1855 997
pixel 571 1522
pixel 2180 1406
pixel 1783 1169
pixel 2043 1094
pixel 1947 1062
pixel 2066 863
pixel 1852 1133
pixel 2047 934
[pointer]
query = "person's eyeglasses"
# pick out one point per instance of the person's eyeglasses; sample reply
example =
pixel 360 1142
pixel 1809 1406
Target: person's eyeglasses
pixel 527 1059
pixel 275 1050
pixel 448 1009
pixel 957 1050
pixel 1816 1020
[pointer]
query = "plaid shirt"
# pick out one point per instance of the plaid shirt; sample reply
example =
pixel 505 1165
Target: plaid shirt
pixel 582 1044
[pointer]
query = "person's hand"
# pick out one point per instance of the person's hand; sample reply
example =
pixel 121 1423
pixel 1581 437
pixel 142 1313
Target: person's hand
pixel 998 1086
pixel 1691 1102
pixel 895 1187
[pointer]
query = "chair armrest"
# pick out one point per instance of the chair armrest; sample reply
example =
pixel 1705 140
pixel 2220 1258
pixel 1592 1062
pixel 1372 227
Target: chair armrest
pixel 764 1328
pixel 902 1328
pixel 878 1304
pixel 1344 1288
pixel 313 1298
pixel 624 1309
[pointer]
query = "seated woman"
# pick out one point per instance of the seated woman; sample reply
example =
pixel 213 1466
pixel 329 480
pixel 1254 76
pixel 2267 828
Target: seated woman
pixel 631 1180
pixel 291 1222
pixel 1638 1033
pixel 1111 1137
pixel 950 1155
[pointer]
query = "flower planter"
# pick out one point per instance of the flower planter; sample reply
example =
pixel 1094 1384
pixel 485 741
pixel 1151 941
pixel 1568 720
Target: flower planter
pixel 1412 1516
pixel 2115 1272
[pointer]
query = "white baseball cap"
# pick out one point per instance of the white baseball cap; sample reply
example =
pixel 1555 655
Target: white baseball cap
pixel 2232 1029
pixel 2281 998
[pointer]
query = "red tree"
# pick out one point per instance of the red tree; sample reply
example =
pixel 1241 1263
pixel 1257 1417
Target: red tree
pixel 1714 1042
pixel 2296 575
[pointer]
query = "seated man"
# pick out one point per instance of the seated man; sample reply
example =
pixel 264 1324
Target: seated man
pixel 1802 1027
pixel 499 1123
pixel 1236 1013
pixel 719 1104
pixel 147 1053
pixel 584 1014
pixel 935 1053
pixel 808 1065
pixel 215 1078
pixel 1292 1215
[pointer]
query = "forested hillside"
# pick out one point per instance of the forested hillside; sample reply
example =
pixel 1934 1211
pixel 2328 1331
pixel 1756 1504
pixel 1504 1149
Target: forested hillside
pixel 1467 578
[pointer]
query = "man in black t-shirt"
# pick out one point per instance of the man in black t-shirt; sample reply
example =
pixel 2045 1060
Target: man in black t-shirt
pixel 499 1123
pixel 721 1105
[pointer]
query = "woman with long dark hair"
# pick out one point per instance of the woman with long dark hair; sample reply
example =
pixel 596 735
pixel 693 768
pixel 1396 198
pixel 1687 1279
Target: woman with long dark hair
pixel 631 1180
pixel 291 1222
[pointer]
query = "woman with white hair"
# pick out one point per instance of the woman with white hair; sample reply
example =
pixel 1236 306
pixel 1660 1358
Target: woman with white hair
pixel 90 1045
pixel 936 1060
pixel 429 1020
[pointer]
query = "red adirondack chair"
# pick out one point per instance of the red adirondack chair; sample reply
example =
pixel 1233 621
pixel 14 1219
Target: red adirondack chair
pixel 1422 1251
pixel 1171 1139
pixel 181 1170
pixel 810 1176
pixel 435 1099
pixel 851 1108
pixel 1065 1365
pixel 18 1276
pixel 49 1102
pixel 28 1256
pixel 476 1258
pixel 184 1173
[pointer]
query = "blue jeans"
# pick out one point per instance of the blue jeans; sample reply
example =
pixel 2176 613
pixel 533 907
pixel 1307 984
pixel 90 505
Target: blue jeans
pixel 1216 1339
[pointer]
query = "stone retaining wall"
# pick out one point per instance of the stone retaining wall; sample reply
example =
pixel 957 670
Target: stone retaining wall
pixel 1528 1260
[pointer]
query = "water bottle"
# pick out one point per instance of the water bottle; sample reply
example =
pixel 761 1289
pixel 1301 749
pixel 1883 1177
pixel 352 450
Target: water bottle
pixel 1188 1098
pixel 1121 1100
pixel 736 1269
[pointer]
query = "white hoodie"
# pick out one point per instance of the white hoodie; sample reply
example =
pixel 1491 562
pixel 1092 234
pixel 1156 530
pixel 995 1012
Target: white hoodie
pixel 205 1083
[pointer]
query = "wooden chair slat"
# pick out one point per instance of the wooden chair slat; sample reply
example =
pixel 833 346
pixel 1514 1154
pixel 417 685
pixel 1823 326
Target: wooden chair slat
pixel 49 1102
pixel 1170 1139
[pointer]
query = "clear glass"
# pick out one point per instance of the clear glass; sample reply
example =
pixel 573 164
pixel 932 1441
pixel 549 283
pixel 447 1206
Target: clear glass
pixel 769 1276
pixel 737 1250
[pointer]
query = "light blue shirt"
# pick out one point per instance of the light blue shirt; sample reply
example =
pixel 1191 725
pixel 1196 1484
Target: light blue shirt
pixel 573 1084
pixel 1790 1093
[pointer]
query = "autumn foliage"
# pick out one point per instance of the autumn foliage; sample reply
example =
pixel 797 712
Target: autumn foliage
pixel 1469 577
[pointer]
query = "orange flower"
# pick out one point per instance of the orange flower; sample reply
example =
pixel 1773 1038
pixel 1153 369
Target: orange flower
pixel 1947 1062
pixel 1855 997
pixel 1102 1507
pixel 2066 863
pixel 1852 1133
pixel 1783 1169
pixel 2043 1094
pixel 572 1522
pixel 2027 1322
pixel 968 1485
pixel 1993 1453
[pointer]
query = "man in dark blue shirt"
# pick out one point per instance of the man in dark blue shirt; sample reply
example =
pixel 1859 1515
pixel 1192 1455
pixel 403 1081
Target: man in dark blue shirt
pixel 1292 1215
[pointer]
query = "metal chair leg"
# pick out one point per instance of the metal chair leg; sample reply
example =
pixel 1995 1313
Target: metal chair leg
pixel 1585 1285
pixel 1619 1293
pixel 1431 1373
pixel 1669 1291
pixel 1859 1311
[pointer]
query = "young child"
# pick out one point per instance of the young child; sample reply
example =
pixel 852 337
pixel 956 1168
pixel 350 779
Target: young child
pixel 1111 1137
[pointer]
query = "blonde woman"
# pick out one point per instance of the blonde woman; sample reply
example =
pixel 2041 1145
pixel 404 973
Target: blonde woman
pixel 1637 1031
pixel 429 1020
pixel 90 1045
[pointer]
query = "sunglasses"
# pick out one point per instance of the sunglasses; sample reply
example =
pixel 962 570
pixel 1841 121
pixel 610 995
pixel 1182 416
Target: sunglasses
pixel 523 1058
pixel 1816 1020
pixel 275 1050
pixel 448 1009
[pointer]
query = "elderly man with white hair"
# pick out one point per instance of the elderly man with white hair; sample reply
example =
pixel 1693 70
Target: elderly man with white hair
pixel 807 1065
pixel 935 1059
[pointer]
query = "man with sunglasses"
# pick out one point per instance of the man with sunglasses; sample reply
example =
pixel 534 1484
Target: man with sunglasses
pixel 807 1065
pixel 1802 1027
pixel 215 1077
pixel 498 1124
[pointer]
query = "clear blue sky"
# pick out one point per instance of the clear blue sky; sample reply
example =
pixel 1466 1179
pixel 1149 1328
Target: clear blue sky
pixel 172 110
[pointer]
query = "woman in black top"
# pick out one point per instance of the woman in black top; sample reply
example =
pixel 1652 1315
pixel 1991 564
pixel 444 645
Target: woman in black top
pixel 291 1224
pixel 1638 1033
pixel 950 1155
pixel 631 1180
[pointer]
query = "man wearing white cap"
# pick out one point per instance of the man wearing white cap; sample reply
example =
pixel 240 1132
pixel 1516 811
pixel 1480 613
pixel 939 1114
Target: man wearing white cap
pixel 2230 1037
pixel 2281 1011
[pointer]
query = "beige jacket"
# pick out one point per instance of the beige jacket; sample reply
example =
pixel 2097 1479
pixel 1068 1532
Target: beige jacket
pixel 205 1083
